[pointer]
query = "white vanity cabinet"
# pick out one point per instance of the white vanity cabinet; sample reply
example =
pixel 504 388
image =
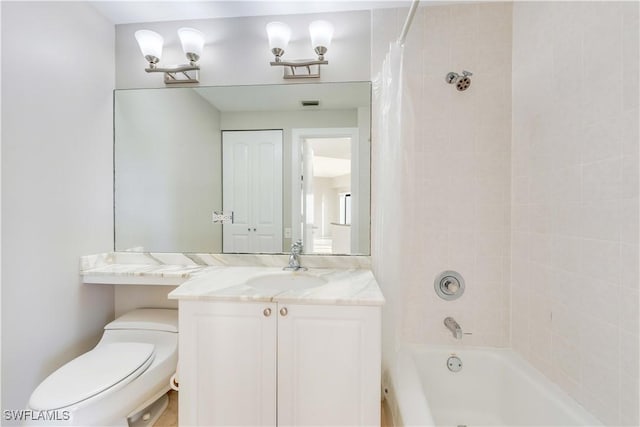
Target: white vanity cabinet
pixel 273 363
pixel 227 363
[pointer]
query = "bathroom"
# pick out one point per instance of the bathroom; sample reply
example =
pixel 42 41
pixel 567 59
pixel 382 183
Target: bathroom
pixel 526 183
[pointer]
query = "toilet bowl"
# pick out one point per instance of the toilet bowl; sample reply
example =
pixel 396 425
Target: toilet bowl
pixel 123 381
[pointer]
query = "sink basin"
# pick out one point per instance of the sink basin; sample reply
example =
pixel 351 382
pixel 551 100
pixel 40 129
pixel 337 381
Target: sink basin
pixel 285 282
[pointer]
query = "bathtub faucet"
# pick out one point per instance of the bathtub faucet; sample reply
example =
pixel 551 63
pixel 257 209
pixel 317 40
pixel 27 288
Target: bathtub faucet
pixel 453 326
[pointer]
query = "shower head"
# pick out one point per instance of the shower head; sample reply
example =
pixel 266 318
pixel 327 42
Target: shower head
pixel 462 82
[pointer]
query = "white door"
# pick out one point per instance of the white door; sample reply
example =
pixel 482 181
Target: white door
pixel 252 190
pixel 307 198
pixel 328 365
pixel 227 363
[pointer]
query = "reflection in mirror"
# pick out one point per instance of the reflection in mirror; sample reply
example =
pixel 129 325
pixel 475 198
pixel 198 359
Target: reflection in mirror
pixel 327 194
pixel 283 169
pixel 334 201
pixel 252 191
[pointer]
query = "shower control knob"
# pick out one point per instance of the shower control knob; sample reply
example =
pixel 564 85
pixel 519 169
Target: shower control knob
pixel 284 311
pixel 452 285
pixel 266 312
pixel 449 285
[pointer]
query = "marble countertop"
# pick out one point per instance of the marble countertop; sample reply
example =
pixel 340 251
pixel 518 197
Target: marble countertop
pixel 340 287
pixel 141 274
pixel 224 277
pixel 173 269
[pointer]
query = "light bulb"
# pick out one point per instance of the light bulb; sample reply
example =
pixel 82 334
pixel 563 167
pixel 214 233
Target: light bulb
pixel 321 33
pixel 192 43
pixel 150 44
pixel 279 35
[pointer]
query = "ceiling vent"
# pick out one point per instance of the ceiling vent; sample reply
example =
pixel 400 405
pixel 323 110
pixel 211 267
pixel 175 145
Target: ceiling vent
pixel 312 103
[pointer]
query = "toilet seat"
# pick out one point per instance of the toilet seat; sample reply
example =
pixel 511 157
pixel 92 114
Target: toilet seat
pixel 107 366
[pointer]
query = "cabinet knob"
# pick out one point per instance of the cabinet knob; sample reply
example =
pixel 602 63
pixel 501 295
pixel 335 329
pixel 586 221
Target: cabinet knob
pixel 284 311
pixel 266 312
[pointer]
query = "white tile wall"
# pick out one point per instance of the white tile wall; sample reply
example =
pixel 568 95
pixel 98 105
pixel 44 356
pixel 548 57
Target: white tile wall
pixel 456 170
pixel 530 190
pixel 574 242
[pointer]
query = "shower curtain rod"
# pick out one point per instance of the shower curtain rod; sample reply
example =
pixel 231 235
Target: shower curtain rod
pixel 408 21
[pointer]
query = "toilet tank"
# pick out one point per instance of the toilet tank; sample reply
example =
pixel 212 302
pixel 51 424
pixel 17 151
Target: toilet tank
pixel 148 319
pixel 157 326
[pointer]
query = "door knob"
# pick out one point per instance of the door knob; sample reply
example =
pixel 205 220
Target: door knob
pixel 284 311
pixel 266 312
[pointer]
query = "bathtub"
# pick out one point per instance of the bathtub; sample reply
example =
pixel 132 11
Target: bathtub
pixel 494 387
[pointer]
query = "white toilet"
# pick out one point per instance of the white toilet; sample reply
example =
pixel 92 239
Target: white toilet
pixel 122 381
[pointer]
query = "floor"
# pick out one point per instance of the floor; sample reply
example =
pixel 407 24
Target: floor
pixel 170 416
pixel 385 418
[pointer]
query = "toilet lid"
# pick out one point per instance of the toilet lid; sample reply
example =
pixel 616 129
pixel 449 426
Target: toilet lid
pixel 92 373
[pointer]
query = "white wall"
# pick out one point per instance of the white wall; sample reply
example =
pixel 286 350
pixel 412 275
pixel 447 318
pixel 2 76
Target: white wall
pixel 56 186
pixel 326 205
pixel 341 183
pixel 0 211
pixel 237 51
pixel 182 180
pixel 363 155
pixel 575 200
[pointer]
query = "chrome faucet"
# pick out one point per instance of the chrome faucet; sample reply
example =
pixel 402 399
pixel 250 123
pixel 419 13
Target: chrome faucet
pixel 454 327
pixel 294 261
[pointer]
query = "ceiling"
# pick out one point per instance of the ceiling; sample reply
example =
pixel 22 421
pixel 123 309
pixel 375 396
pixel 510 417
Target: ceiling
pixel 329 167
pixel 128 12
pixel 332 96
pixel 336 148
pixel 331 156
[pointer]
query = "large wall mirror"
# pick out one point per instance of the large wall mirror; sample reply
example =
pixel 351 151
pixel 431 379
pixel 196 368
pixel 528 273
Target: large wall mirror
pixel 275 163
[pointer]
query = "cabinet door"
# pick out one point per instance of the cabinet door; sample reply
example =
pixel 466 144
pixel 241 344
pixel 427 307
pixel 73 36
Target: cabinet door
pixel 328 365
pixel 227 366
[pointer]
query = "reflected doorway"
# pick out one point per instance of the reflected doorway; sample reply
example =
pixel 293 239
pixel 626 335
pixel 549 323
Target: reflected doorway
pixel 326 194
pixel 326 198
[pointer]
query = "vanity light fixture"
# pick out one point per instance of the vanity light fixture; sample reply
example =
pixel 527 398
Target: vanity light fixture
pixel 321 33
pixel 192 42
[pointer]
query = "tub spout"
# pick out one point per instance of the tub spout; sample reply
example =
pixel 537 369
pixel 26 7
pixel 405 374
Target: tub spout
pixel 454 327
